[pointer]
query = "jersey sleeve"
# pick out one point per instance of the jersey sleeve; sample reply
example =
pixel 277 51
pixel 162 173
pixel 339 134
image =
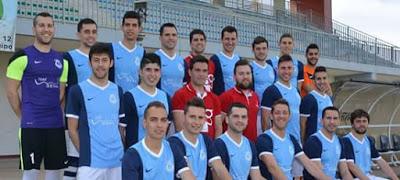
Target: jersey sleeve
pixel 225 101
pixel 343 150
pixel 131 119
pixel 72 75
pixel 74 102
pixel 313 148
pixel 218 83
pixel 178 101
pixel 270 95
pixel 254 159
pixel 16 66
pixel 222 152
pixel 121 114
pixel 374 153
pixel 297 148
pixel 64 74
pixel 132 167
pixel 170 115
pixel 175 142
pixel 180 162
pixel 300 74
pixel 212 153
pixel 349 151
pixel 306 105
pixel 264 145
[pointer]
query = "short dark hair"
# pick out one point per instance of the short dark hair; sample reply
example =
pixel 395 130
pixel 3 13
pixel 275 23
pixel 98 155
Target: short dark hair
pixel 358 113
pixel 329 108
pixel 196 31
pixel 194 102
pixel 41 14
pixel 235 105
pixel 285 35
pixel 132 15
pixel 197 59
pixel 150 58
pixel 99 48
pixel 319 69
pixel 284 58
pixel 311 46
pixel 258 40
pixel 229 29
pixel 167 25
pixel 85 21
pixel 279 101
pixel 241 62
pixel 156 104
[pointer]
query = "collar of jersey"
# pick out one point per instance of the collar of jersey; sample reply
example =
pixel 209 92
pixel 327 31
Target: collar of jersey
pixel 82 53
pixel 127 49
pixel 274 134
pixel 262 67
pixel 233 55
pixel 147 93
pixel 166 55
pixel 280 84
pixel 233 141
pixel 241 92
pixel 151 152
pixel 361 142
pixel 187 140
pixel 317 93
pixel 97 86
pixel 326 138
pixel 191 89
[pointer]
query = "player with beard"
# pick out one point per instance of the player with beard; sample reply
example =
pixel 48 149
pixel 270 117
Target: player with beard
pixel 312 56
pixel 242 93
pixel 360 150
pixel 39 73
pixel 238 153
pixel 94 111
pixel 326 149
pixel 79 70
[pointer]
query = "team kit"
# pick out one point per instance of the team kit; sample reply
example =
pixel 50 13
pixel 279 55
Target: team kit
pixel 114 111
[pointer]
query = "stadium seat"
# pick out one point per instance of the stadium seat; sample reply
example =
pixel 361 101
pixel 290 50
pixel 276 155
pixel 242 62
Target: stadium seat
pixel 384 143
pixel 396 142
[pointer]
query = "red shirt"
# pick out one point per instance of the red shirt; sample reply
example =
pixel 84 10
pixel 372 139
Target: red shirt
pixel 211 70
pixel 235 95
pixel 211 101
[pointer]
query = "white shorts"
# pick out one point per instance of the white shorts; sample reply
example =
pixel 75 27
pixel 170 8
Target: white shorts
pixel 297 168
pixel 86 172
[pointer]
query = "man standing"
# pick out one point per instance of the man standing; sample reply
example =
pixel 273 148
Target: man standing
pixel 277 149
pixel 197 39
pixel 172 70
pixel 286 45
pixel 198 148
pixel 360 150
pixel 198 70
pixel 94 111
pixel 225 60
pixel 79 70
pixel 137 99
pixel 41 73
pixel 242 93
pixel 238 153
pixel 127 53
pixel 325 149
pixel 153 157
pixel 314 103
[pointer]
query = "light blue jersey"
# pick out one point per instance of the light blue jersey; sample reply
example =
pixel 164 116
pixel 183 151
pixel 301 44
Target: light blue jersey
pixel 79 64
pixel 125 72
pixel 135 102
pixel 240 158
pixel 199 155
pixel 172 72
pixel 98 110
pixel 263 77
pixel 311 107
pixel 360 152
pixel 284 151
pixel 223 75
pixel 298 71
pixel 290 94
pixel 328 151
pixel 140 162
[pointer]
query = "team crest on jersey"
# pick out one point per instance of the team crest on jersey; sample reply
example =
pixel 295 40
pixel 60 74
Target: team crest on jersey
pixel 291 150
pixel 203 155
pixel 57 63
pixel 169 166
pixel 247 156
pixel 338 151
pixel 271 74
pixel 180 67
pixel 112 99
pixel 137 61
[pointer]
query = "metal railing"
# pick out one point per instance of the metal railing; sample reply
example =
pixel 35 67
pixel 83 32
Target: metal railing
pixel 108 13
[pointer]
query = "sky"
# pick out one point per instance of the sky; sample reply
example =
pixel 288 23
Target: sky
pixel 380 18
